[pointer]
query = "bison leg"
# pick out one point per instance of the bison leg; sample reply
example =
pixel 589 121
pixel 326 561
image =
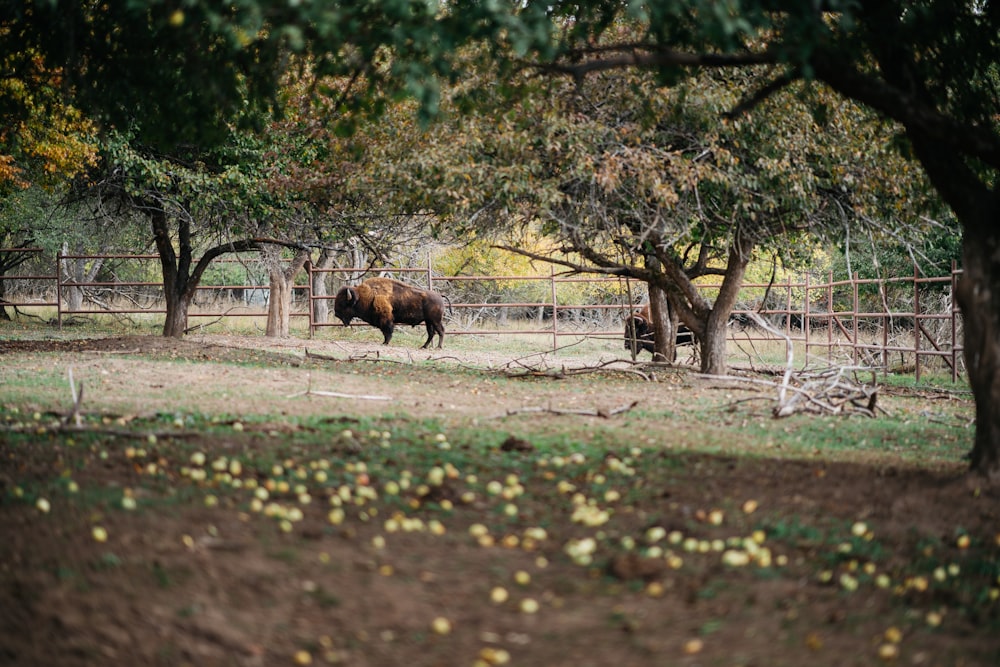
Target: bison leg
pixel 387 332
pixel 440 332
pixel 434 328
pixel 430 335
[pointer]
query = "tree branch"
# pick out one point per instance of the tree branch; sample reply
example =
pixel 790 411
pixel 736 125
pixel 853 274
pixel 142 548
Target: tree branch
pixel 846 79
pixel 648 56
pixel 242 245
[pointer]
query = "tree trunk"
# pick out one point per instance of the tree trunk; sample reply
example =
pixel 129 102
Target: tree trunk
pixel 181 275
pixel 664 325
pixel 72 270
pixel 76 271
pixel 175 323
pixel 3 298
pixel 9 262
pixel 714 355
pixel 175 272
pixel 978 294
pixel 714 359
pixel 279 307
pixel 320 282
pixel 977 206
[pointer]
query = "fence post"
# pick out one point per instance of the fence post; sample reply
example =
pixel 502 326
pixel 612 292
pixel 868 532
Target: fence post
pixel 555 313
pixel 788 306
pixel 854 314
pixel 916 323
pixel 831 317
pixel 59 289
pixel 430 273
pixel 954 327
pixel 805 318
pixel 885 328
pixel 310 302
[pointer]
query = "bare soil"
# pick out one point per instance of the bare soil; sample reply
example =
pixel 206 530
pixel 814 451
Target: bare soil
pixel 197 576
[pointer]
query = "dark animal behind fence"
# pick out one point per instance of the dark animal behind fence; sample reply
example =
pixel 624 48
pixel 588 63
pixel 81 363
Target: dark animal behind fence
pixel 640 332
pixel 384 303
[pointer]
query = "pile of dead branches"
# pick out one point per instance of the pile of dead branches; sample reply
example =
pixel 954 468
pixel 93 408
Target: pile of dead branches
pixel 833 391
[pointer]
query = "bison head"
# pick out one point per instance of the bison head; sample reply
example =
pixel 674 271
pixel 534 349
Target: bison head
pixel 639 330
pixel 343 305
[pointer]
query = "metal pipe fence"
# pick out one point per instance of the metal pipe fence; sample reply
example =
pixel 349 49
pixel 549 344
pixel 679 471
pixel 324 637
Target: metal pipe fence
pixel 866 322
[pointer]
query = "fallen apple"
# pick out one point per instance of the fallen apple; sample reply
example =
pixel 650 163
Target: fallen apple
pixel 441 625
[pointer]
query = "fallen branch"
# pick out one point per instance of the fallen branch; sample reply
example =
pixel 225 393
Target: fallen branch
pixel 599 412
pixel 321 357
pixel 335 394
pixel 564 371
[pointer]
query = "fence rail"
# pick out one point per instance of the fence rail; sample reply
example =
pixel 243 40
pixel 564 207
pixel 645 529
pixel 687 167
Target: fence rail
pixel 828 318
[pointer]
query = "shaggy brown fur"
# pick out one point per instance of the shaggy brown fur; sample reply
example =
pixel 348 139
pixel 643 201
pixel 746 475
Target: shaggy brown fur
pixel 384 303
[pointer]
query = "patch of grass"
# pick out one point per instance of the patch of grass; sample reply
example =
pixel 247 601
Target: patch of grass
pixel 108 561
pixel 162 577
pixel 189 611
pixel 286 555
pixel 324 598
pixel 929 380
pixel 899 439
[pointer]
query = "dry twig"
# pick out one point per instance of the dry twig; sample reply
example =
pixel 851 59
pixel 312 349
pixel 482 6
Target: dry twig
pixel 598 412
pixel 565 372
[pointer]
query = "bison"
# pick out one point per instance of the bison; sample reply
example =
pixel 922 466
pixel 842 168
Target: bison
pixel 639 329
pixel 384 303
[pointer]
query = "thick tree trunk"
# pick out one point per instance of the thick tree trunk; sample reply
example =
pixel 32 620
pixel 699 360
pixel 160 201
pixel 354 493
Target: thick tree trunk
pixel 714 358
pixel 714 355
pixel 175 273
pixel 279 306
pixel 281 278
pixel 977 206
pixel 978 295
pixel 175 323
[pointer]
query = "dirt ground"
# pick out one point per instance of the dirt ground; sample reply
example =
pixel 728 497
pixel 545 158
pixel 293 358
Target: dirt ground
pixel 709 551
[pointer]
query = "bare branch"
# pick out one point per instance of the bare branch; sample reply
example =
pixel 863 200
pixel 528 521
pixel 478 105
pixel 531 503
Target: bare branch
pixel 597 412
